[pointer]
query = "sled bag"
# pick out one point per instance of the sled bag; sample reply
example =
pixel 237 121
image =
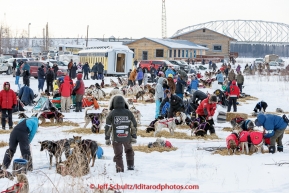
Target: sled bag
pixel 221 118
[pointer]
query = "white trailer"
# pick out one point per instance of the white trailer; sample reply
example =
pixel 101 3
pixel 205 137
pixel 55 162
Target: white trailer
pixel 117 59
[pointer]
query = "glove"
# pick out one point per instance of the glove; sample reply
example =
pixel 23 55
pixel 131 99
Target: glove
pixel 160 99
pixel 133 139
pixel 107 142
pixel 13 106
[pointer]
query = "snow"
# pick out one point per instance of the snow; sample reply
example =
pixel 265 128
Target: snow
pixel 185 166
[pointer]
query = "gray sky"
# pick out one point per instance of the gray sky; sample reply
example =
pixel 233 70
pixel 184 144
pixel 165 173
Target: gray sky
pixel 130 18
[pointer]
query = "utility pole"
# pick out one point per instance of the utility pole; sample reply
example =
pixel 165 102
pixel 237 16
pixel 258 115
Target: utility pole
pixel 1 40
pixel 29 34
pixel 47 37
pixel 44 46
pixel 87 35
pixel 164 20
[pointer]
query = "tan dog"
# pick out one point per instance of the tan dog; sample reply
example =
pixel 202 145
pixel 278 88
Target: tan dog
pixel 232 142
pixel 22 185
pixel 165 123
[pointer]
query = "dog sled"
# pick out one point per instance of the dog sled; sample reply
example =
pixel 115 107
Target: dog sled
pixel 19 107
pixel 43 104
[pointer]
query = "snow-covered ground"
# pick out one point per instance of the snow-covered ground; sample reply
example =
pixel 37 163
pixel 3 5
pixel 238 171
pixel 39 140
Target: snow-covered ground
pixel 185 166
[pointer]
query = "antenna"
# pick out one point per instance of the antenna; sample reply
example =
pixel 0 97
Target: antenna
pixel 164 20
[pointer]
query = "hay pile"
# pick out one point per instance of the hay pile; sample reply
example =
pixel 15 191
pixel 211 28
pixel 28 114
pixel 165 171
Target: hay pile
pixel 286 131
pixel 183 127
pixel 5 131
pixel 144 148
pixel 82 131
pixel 227 129
pixel 231 115
pixel 177 135
pixel 224 152
pixel 65 123
pixel 3 144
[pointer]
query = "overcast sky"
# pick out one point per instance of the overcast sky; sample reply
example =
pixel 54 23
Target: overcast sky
pixel 130 18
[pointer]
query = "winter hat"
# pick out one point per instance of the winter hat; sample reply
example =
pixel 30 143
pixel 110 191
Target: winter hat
pixel 170 75
pixel 250 125
pixel 257 123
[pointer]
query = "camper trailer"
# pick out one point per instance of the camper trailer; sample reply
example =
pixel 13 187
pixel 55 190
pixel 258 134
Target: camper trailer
pixel 117 59
pixel 271 57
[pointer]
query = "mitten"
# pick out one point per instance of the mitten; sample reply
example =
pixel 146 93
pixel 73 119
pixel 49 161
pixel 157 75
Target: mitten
pixel 107 142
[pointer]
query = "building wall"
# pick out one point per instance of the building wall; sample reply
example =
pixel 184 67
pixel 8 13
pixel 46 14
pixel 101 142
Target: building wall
pixel 146 45
pixel 150 46
pixel 209 39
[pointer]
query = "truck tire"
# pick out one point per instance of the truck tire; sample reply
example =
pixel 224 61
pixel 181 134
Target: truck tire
pixel 9 71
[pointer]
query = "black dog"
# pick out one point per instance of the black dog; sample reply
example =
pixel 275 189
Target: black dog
pixel 260 106
pixel 151 127
pixel 56 148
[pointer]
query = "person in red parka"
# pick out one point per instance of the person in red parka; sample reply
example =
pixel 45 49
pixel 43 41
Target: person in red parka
pixel 79 90
pixel 206 111
pixel 66 91
pixel 8 101
pixel 234 93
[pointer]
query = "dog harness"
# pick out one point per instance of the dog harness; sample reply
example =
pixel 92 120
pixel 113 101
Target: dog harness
pixel 16 188
pixel 166 121
pixel 95 120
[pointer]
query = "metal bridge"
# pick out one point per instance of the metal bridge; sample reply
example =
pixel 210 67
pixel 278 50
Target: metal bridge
pixel 245 31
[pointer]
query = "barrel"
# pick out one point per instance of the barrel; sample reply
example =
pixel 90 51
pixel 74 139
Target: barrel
pixel 19 166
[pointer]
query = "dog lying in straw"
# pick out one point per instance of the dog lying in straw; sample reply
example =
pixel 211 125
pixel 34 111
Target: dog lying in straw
pixel 165 123
pixel 22 185
pixel 115 91
pixel 96 119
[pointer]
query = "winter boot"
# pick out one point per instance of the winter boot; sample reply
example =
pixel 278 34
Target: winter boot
pixel 119 169
pixel 80 107
pixel 29 164
pixel 3 128
pixel 280 148
pixel 130 164
pixel 76 107
pixel 272 149
pixel 10 127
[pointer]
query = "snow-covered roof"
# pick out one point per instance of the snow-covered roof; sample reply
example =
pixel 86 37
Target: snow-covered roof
pixel 177 44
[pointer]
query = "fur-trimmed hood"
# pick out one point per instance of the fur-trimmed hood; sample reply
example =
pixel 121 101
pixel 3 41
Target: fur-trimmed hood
pixel 118 102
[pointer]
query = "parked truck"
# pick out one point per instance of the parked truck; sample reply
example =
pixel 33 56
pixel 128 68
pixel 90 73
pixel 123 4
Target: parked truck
pixel 270 57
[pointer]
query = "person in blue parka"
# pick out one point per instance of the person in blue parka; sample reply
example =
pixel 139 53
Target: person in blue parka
pixel 274 127
pixel 26 95
pixel 220 77
pixel 23 133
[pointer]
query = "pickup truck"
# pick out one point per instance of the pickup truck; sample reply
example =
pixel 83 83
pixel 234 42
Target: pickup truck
pixel 5 67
